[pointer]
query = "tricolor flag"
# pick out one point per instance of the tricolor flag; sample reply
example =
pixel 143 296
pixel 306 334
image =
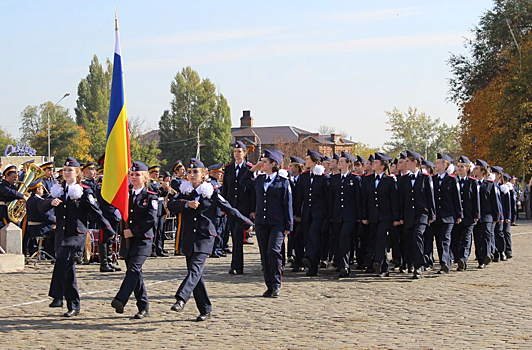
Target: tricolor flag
pixel 117 153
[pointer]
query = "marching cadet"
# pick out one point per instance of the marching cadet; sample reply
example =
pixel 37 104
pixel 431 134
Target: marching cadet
pixel 489 214
pixel 296 240
pixel 274 217
pixel 366 241
pixel 49 180
pixel 506 213
pixel 312 208
pixel 345 204
pixel 180 174
pixel 137 239
pixel 326 249
pixel 380 209
pixel 326 162
pixel 463 231
pixel 358 165
pixel 105 243
pixel 361 233
pixel 198 201
pixel 157 249
pixel 216 174
pixel 333 167
pixel 448 209
pixel 427 167
pixel 40 224
pixel 404 241
pixel 240 198
pixel 89 175
pixel 73 202
pixel 507 234
pixel 8 192
pixel 416 202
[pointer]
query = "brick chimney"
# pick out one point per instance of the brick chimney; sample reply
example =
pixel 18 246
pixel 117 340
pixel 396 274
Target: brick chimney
pixel 335 137
pixel 247 120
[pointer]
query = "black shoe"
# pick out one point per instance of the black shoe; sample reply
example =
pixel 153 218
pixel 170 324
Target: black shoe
pixel 178 306
pixel 377 267
pixel 222 254
pixel 214 256
pixel 153 255
pixel 344 273
pixel 429 267
pixel 418 274
pixel 290 259
pixel 141 314
pixel 245 242
pixel 162 255
pixel 323 264
pixel 496 258
pixel 236 272
pixel 508 255
pixel 118 305
pixel 359 267
pixel 106 268
pixel 228 251
pixel 165 251
pixel 71 313
pixel 312 272
pixel 410 269
pixel 276 292
pixel 481 266
pixel 383 274
pixel 268 293
pixel 298 269
pixel 306 263
pixel 487 260
pixel 115 267
pixel 56 303
pixel 370 270
pixel 203 317
pixel 338 269
pixel 461 265
pixel 444 268
pixel 503 257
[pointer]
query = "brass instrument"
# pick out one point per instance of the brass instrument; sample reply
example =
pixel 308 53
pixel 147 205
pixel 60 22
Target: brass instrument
pixel 171 192
pixel 16 210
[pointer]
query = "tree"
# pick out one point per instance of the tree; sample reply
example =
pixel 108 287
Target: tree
pixel 326 129
pixel 195 105
pixel 5 139
pixel 292 148
pixel 92 105
pixel 364 150
pixel 146 152
pixel 66 138
pixel 418 132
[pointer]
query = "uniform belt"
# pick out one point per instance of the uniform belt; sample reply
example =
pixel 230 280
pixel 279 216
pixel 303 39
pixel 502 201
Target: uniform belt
pixel 34 223
pixel 161 199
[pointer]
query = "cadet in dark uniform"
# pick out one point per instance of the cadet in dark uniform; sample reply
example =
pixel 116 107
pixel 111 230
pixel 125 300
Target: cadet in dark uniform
pixel 49 181
pixel 274 218
pixel 416 202
pixel 311 208
pixel 448 209
pixel 40 224
pixel 8 192
pixel 89 175
pixel 137 239
pixel 198 202
pixel 105 244
pixel 180 174
pixel 506 210
pixel 345 204
pixel 380 209
pixel 427 167
pixel 296 240
pixel 216 174
pixel 240 198
pixel 463 232
pixel 513 213
pixel 360 238
pixel 489 214
pixel 158 228
pixel 73 202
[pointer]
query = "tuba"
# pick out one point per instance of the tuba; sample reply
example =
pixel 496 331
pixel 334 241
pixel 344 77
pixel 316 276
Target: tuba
pixel 16 210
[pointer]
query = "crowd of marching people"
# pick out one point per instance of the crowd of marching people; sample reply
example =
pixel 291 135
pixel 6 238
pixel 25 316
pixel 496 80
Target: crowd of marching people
pixel 377 215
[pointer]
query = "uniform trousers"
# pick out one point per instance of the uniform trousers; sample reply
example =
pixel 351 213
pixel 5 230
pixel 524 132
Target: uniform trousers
pixel 342 234
pixel 237 237
pixel 133 282
pixel 158 240
pixel 461 238
pixel 415 233
pixel 64 282
pixel 362 240
pixel 312 230
pixel 428 242
pixel 482 233
pixel 298 236
pixel 380 231
pixel 507 238
pixel 270 239
pixel 500 242
pixel 194 284
pixel 442 232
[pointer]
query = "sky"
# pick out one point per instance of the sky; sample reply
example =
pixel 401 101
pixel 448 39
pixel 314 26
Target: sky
pixel 300 63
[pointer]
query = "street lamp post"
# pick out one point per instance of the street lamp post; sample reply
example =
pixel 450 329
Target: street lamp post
pixel 198 138
pixel 65 95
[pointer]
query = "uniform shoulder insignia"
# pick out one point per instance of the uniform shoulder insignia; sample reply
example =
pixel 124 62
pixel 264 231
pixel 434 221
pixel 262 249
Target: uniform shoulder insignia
pixel 151 192
pixel 404 175
pixel 452 175
pixel 473 178
pixel 215 187
pixel 84 186
pixel 427 174
pixel 489 180
pixel 390 175
pixel 305 172
pixel 250 164
pixel 228 164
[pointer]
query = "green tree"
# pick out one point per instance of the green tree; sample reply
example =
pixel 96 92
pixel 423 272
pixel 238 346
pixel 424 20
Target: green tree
pixel 421 133
pixel 5 139
pixel 195 105
pixel 364 150
pixel 92 105
pixel 147 152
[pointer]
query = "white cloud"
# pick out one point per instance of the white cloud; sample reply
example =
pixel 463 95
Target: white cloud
pixel 374 15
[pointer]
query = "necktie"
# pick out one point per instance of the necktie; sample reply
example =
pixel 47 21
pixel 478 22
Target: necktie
pixel 413 176
pixel 461 181
pixel 377 177
pixel 267 179
pixel 66 192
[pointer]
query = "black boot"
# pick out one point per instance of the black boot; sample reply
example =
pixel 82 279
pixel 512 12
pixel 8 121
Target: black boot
pixel 104 264
pixel 110 257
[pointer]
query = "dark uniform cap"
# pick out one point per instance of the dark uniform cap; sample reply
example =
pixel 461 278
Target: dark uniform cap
pixel 482 163
pixel 89 165
pixel 274 155
pixel 313 153
pixel 371 158
pixel 464 159
pixel 444 157
pixel 395 161
pixel 507 176
pixel 361 159
pixel 196 163
pixel 154 168
pixel 402 155
pixel 336 156
pixel 164 174
pixel 239 144
pixel 297 160
pixel 177 165
pixel 139 166
pixel 349 156
pixel 9 169
pixel 496 169
pixel 216 167
pixel 47 165
pixel 28 162
pixel 326 159
pixel 414 155
pixel 428 163
pixel 35 184
pixel 382 157
pixel 70 161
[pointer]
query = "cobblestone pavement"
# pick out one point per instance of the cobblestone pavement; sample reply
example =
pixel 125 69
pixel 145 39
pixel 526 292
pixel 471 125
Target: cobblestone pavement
pixel 489 308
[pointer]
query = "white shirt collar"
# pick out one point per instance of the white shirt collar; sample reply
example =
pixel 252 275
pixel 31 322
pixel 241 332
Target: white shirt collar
pixel 137 191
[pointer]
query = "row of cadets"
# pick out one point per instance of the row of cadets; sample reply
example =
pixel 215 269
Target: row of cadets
pixel 344 210
pixel 216 175
pixel 312 208
pixel 274 216
pixel 180 174
pixel 240 198
pixel 198 201
pixel 296 242
pixel 380 210
pixel 155 186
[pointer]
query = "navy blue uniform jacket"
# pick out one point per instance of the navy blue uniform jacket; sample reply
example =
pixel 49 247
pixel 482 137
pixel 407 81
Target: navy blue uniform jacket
pixel 274 206
pixel 345 198
pixel 447 199
pixel 470 200
pixel 312 198
pixel 489 202
pixel 239 196
pixel 379 203
pixel 416 203
pixel 47 218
